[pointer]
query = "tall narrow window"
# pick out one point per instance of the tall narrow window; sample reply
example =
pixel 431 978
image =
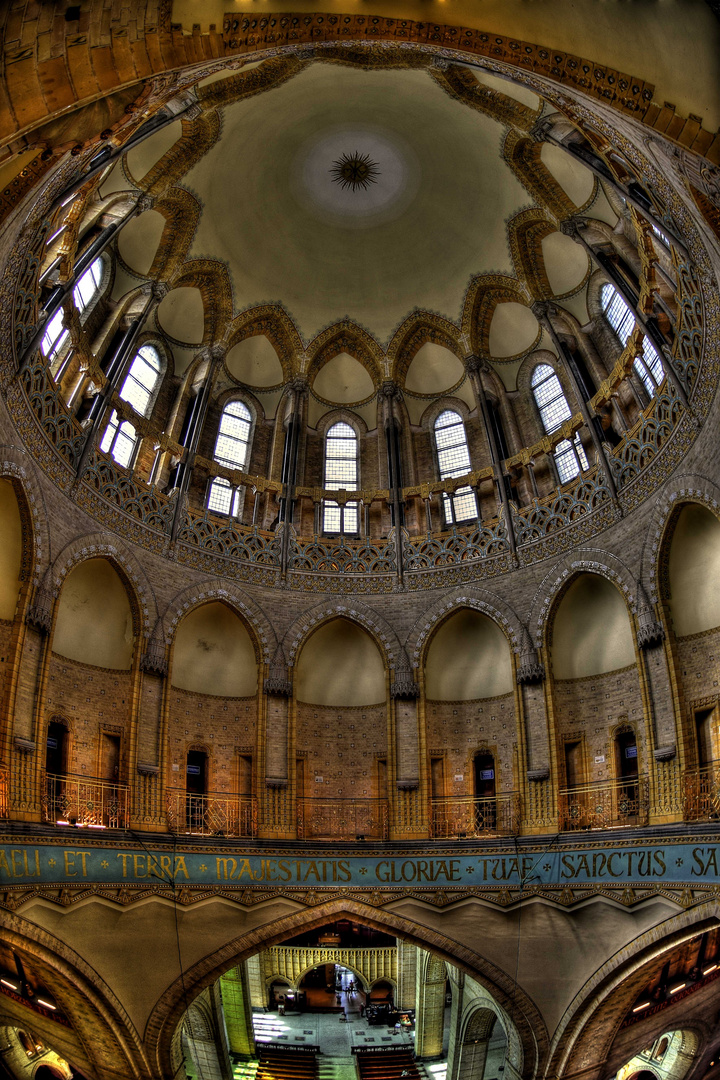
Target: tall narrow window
pixel 54 337
pixel 88 285
pixel 454 460
pixel 231 449
pixel 648 367
pixel 554 410
pixel 138 389
pixel 341 471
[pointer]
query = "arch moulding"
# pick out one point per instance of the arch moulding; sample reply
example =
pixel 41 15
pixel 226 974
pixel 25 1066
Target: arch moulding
pixel 380 631
pixel 261 631
pixel 170 1007
pixel 681 489
pixel 486 603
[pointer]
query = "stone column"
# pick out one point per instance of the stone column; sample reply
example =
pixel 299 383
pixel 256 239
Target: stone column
pixel 235 994
pixel 631 192
pixel 278 690
pixel 530 675
pixel 430 1008
pixel 389 395
pixel 83 262
pixel 407 975
pixel 404 691
pixel 148 785
pixel 473 367
pixel 194 423
pixel 574 227
pixel 255 982
pixel 97 416
pixel 542 311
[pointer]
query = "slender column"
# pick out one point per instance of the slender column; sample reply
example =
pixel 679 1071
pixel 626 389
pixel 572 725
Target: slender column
pixel 573 227
pixel 98 410
pixel 541 311
pixel 407 967
pixel 632 193
pixel 288 476
pixel 389 395
pixel 194 424
pixel 237 1012
pixel 405 692
pixel 278 689
pixel 60 293
pixel 430 1008
pixel 147 811
pixel 473 367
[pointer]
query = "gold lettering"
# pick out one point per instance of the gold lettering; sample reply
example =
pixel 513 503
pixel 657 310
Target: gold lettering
pixel 4 863
pixel 15 856
pixel 139 866
pixel 70 870
pixel 180 867
pixel 166 866
pixel 381 871
pixel 614 855
pixel 124 856
pixel 28 871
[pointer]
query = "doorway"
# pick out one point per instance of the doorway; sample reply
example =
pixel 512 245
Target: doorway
pixel 485 807
pixel 196 789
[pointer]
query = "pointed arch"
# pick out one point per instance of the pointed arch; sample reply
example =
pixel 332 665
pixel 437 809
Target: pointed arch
pixel 273 322
pixel 421 328
pixel 16 467
pixel 349 338
pixel 686 488
pixel 481 600
pixel 212 280
pixel 181 211
pixel 258 625
pixel 96 546
pixel 380 631
pixel 556 581
pixel 484 295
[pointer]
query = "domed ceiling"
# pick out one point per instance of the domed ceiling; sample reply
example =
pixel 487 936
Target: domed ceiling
pixel 432 217
pixel 364 196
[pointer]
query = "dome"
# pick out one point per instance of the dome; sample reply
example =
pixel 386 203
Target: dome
pixel 360 532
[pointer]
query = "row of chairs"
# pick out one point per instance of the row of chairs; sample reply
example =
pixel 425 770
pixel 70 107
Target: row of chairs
pixel 389 1065
pixel 286 1065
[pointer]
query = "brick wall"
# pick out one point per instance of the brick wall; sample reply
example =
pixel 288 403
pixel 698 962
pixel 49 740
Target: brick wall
pixel 343 746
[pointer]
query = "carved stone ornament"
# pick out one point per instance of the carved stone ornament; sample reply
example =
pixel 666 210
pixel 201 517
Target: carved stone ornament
pixel 145 202
pixel 25 746
pixel 572 226
pixel 404 686
pixel 148 770
pixel 535 776
pixel 390 389
pixel 530 669
pixel 650 632
pixel 441 63
pixel 278 679
pixel 541 129
pixel 665 753
pixel 153 661
pixel 39 613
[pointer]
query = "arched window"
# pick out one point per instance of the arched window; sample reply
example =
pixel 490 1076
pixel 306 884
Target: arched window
pixel 454 460
pixel 341 471
pixel 554 410
pixel 231 449
pixel 138 389
pixel 54 337
pixel 88 285
pixel 649 366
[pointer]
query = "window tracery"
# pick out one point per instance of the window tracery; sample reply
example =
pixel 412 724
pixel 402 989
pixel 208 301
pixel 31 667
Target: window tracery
pixel 138 389
pixel 454 460
pixel 231 449
pixel 621 318
pixel 341 472
pixel 554 410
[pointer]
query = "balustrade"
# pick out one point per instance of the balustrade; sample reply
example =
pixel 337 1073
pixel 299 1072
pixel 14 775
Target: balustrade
pixel 342 819
pixel 214 814
pixel 701 793
pixel 468 817
pixel 84 801
pixel 607 804
pixel 3 791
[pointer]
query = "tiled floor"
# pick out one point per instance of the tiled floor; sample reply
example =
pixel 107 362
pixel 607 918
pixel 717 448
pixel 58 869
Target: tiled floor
pixel 328 1031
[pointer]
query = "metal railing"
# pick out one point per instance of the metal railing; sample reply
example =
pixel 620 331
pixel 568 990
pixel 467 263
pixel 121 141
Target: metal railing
pixel 607 804
pixel 84 800
pixel 701 793
pixel 3 791
pixel 342 819
pixel 214 814
pixel 498 816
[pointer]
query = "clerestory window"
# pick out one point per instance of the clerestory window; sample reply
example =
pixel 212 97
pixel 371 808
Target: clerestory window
pixel 621 318
pixel 232 448
pixel 139 389
pixel 554 410
pixel 454 460
pixel 341 472
pixel 88 285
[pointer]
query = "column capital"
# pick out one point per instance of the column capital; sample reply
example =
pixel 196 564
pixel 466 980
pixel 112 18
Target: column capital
pixel 540 130
pixel 153 660
pixel 389 389
pixel 573 226
pixel 145 202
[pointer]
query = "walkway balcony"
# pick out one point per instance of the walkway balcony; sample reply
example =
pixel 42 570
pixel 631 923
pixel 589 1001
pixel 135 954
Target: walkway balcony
pixel 214 814
pixel 701 793
pixel 84 801
pixel 608 804
pixel 342 819
pixel 3 791
pixel 458 818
